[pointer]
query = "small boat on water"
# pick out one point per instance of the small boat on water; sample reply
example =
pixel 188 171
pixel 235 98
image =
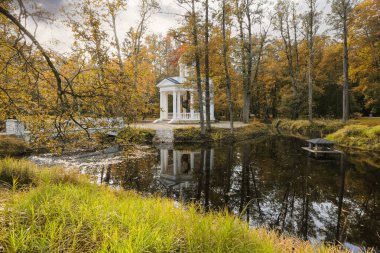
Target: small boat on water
pixel 321 147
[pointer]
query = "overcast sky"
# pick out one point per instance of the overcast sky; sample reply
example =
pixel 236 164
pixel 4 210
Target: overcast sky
pixel 58 37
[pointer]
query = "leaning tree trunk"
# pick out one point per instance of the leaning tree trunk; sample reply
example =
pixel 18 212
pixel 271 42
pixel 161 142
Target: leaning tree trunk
pixel 198 69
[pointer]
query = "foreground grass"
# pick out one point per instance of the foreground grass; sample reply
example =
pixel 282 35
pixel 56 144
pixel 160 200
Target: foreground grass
pixel 193 134
pixel 54 212
pixel 362 133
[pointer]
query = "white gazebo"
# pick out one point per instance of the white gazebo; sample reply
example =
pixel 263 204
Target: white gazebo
pixel 182 108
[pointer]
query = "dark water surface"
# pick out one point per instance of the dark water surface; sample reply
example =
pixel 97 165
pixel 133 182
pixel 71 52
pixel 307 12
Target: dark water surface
pixel 269 182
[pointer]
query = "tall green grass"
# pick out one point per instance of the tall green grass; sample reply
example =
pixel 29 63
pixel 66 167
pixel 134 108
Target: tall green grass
pixel 22 174
pixel 68 214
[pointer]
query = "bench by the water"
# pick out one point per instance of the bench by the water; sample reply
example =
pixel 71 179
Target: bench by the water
pixel 321 146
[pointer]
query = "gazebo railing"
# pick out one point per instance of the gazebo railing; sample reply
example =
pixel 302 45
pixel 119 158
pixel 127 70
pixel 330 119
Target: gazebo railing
pixel 185 116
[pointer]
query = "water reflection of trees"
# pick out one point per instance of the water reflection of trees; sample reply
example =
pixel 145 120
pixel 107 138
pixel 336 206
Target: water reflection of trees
pixel 272 184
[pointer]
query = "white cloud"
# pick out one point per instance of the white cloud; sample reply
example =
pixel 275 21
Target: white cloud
pixel 58 37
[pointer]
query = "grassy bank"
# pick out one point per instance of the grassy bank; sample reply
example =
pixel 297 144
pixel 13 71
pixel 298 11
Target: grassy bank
pixel 193 135
pixel 53 211
pixel 363 133
pixel 317 128
pixel 132 135
pixel 358 137
pixel 12 146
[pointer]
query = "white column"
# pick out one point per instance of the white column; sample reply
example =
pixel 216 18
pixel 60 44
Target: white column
pixel 165 105
pixel 174 104
pixel 212 102
pixel 162 157
pixel 192 161
pixel 166 158
pixel 175 162
pixel 178 104
pixel 212 109
pixel 192 105
pixel 162 113
pixel 212 158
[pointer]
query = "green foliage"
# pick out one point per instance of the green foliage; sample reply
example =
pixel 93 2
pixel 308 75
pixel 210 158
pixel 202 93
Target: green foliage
pixel 358 136
pixel 131 135
pixel 12 146
pixel 68 216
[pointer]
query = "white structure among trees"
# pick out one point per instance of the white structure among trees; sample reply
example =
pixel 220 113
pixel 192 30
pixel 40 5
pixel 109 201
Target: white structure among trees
pixel 181 109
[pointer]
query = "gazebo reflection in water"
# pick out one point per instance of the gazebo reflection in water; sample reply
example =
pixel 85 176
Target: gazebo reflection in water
pixel 179 166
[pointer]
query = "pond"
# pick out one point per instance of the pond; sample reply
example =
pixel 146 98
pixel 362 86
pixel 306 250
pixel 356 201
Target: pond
pixel 268 182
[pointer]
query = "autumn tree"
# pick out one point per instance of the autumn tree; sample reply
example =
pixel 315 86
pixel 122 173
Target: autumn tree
pixel 114 6
pixel 365 54
pixel 311 24
pixel 340 18
pixel 134 39
pixel 224 20
pixel 207 67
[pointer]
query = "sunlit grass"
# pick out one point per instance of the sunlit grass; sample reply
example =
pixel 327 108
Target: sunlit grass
pixel 68 214
pixel 316 128
pixel 366 121
pixel 22 174
pixel 358 136
pixel 362 133
pixel 193 134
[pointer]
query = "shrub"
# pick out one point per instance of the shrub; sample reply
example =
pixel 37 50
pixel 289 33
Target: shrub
pixel 131 135
pixel 193 134
pixel 20 174
pixel 189 134
pixel 12 146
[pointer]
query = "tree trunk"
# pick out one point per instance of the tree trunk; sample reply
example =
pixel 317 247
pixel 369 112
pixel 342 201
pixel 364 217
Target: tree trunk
pixel 345 72
pixel 248 83
pixel 207 71
pixel 117 44
pixel 198 68
pixel 226 71
pixel 310 62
